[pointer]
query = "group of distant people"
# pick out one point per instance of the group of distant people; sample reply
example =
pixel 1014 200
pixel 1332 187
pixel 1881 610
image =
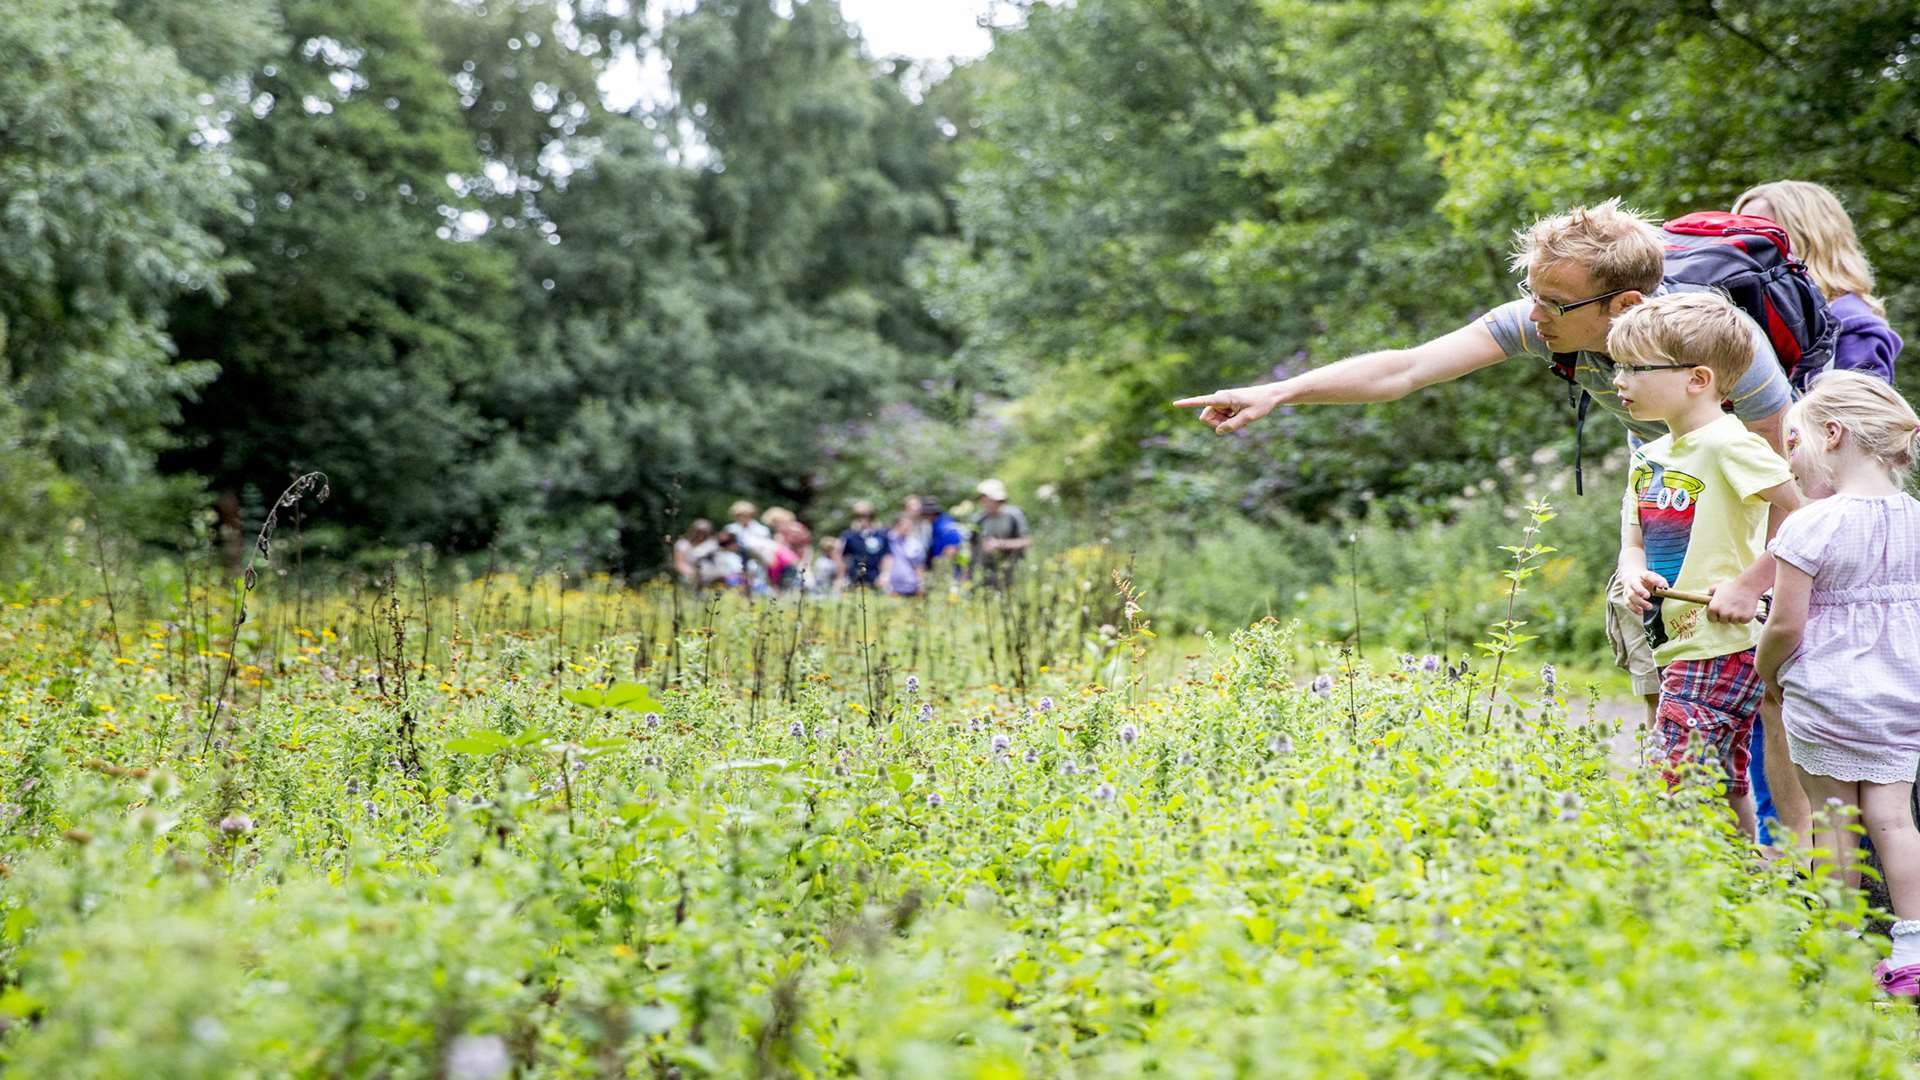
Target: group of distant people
pixel 760 553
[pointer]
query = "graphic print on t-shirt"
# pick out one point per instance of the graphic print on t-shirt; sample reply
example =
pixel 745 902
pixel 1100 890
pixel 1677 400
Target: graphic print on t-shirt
pixel 1667 499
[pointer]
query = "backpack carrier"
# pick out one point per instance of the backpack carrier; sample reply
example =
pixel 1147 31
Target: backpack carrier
pixel 1746 259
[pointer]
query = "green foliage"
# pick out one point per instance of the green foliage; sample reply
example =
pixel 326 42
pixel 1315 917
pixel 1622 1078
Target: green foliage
pixel 111 194
pixel 1164 197
pixel 1219 873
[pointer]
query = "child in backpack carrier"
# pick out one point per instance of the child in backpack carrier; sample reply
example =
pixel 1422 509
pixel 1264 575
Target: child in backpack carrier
pixel 1696 512
pixel 1843 639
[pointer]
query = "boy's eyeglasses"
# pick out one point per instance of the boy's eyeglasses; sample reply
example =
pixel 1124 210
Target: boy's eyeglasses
pixel 1561 309
pixel 1641 369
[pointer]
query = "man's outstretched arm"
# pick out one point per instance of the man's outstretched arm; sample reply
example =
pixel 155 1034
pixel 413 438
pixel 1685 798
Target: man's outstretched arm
pixel 1378 376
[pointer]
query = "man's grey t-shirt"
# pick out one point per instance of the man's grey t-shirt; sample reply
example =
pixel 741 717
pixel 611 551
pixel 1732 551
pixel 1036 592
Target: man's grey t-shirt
pixel 1760 393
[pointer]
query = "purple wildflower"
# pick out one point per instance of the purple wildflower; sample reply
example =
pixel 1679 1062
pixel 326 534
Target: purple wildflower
pixel 235 824
pixel 1430 663
pixel 1129 734
pixel 1030 756
pixel 934 799
pixel 1045 704
pixel 1000 744
pixel 913 684
pixel 652 719
pixel 797 729
pixel 926 712
pixel 1323 685
pixel 1104 792
pixel 1548 676
pixel 1069 769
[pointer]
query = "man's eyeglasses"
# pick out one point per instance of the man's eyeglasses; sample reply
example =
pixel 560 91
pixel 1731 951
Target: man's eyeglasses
pixel 1561 309
pixel 1641 369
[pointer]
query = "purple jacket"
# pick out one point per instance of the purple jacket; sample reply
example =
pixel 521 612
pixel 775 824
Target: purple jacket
pixel 1866 343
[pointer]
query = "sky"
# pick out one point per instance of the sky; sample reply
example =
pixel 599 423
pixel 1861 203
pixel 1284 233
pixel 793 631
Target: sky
pixel 922 29
pixel 917 29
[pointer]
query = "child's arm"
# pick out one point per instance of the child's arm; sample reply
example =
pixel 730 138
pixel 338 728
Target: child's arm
pixel 1633 573
pixel 1738 599
pixel 1785 623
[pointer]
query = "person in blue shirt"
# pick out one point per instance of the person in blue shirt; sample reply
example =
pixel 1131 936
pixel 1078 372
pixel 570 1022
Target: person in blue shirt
pixel 945 537
pixel 862 547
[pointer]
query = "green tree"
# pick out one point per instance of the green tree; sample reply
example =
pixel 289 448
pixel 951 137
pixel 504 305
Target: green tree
pixel 114 188
pixel 351 345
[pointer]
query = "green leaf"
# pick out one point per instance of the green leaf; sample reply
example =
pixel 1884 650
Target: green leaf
pixel 631 696
pixel 479 742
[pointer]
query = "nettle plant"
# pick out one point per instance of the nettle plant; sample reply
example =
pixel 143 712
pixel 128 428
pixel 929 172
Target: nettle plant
pixel 580 870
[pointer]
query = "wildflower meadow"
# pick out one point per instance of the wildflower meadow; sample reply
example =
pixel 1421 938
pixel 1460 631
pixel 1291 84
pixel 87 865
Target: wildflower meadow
pixel 511 826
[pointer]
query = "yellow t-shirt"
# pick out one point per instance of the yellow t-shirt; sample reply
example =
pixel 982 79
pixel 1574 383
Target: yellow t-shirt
pixel 1697 501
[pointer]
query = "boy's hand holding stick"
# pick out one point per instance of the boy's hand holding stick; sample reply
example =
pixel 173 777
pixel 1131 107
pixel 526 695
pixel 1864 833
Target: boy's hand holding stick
pixel 1703 599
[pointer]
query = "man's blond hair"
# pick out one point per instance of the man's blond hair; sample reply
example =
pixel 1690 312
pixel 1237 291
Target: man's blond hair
pixel 1619 248
pixel 1699 328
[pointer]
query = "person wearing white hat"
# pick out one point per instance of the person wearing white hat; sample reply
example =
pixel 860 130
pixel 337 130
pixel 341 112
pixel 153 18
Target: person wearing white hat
pixel 1000 536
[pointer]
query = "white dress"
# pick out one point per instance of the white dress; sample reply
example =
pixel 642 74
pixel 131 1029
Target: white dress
pixel 1852 688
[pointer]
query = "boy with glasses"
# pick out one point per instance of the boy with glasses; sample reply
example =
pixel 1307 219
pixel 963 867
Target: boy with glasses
pixel 1698 500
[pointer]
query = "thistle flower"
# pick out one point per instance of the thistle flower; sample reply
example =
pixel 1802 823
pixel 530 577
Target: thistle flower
pixel 934 799
pixel 235 824
pixel 1129 734
pixel 1000 744
pixel 477 1057
pixel 1323 685
pixel 1104 792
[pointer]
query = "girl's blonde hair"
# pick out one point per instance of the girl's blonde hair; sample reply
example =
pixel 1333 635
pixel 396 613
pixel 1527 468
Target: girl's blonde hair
pixel 1873 414
pixel 1821 235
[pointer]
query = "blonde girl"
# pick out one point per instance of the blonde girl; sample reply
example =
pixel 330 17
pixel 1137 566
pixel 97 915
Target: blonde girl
pixel 1843 640
pixel 1822 236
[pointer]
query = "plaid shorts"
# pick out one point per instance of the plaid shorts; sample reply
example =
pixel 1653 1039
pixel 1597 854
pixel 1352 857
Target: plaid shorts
pixel 1713 703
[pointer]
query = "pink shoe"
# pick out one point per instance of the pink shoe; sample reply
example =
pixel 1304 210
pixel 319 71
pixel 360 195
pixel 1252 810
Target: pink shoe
pixel 1898 981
